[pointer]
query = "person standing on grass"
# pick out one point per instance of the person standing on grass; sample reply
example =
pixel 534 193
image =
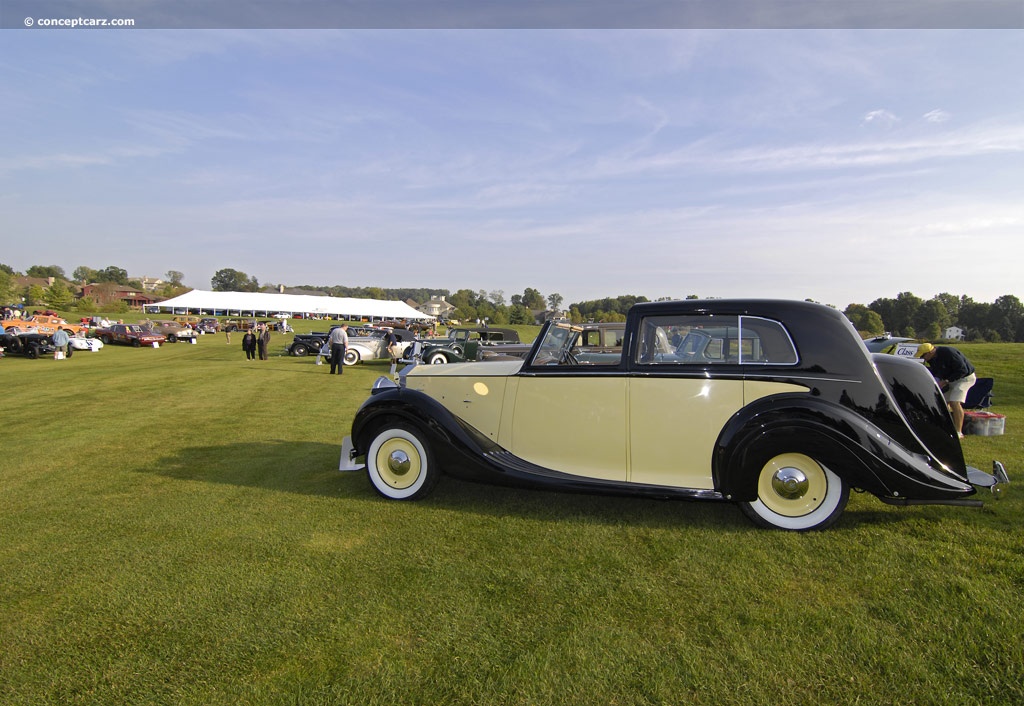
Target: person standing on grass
pixel 62 343
pixel 955 376
pixel 249 345
pixel 263 341
pixel 394 349
pixel 339 342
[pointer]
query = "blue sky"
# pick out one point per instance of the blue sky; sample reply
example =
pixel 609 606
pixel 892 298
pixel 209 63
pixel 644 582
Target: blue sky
pixel 838 165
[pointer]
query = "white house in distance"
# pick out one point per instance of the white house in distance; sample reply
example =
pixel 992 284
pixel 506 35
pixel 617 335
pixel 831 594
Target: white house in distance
pixel 953 333
pixel 438 306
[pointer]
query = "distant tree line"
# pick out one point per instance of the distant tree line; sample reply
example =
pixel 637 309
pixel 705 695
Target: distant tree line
pixel 63 292
pixel 905 315
pixel 913 317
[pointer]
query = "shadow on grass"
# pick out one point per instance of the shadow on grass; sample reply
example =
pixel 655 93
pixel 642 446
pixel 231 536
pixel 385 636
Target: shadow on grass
pixel 310 468
pixel 307 468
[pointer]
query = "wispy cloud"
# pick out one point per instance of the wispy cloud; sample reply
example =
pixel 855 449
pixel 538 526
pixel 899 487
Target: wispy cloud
pixel 880 118
pixel 712 154
pixel 937 116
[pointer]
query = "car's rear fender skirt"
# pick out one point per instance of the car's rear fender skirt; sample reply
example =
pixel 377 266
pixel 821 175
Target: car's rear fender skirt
pixel 850 446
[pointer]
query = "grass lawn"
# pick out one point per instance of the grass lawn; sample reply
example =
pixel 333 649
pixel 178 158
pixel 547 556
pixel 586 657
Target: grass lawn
pixel 173 530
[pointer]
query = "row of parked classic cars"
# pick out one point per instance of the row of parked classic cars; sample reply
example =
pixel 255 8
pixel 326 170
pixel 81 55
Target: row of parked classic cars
pixel 33 336
pixel 370 343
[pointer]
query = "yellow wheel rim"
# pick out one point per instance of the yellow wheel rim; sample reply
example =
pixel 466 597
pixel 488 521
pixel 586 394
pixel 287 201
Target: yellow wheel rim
pixel 398 463
pixel 792 485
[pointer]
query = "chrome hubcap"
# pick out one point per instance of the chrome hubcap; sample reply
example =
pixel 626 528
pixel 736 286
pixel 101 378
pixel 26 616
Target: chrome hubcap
pixel 398 462
pixel 789 483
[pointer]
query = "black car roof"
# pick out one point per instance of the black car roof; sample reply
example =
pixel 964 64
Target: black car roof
pixel 826 341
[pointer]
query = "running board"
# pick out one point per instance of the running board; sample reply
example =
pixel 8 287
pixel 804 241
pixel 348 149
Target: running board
pixel 903 502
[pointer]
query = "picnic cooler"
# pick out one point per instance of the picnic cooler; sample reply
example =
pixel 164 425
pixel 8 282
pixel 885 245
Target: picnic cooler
pixel 984 423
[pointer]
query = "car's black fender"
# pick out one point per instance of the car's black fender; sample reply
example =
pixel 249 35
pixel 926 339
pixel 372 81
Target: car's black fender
pixel 853 448
pixel 459 448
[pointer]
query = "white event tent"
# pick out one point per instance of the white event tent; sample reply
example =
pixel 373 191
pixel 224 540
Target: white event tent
pixel 266 304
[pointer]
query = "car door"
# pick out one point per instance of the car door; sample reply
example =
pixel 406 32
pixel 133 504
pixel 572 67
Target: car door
pixel 572 422
pixel 570 417
pixel 678 402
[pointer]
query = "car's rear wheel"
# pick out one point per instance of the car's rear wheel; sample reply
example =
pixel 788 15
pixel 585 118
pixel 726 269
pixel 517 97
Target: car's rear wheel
pixel 795 492
pixel 136 342
pixel 437 359
pixel 351 356
pixel 106 340
pixel 299 350
pixel 399 463
pixel 171 338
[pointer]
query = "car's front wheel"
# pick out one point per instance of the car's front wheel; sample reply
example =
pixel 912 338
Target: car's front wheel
pixel 351 356
pixel 399 463
pixel 437 359
pixel 795 492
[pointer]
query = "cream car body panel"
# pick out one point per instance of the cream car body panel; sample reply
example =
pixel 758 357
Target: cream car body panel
pixel 674 424
pixel 754 390
pixel 551 410
pixel 673 427
pixel 474 392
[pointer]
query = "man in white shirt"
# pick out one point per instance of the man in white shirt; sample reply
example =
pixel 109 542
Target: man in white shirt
pixel 339 342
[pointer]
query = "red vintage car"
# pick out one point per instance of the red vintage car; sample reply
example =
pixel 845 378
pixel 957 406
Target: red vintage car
pixel 129 335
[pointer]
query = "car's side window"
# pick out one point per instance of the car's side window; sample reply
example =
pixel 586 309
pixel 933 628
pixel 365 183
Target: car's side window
pixel 713 340
pixel 766 342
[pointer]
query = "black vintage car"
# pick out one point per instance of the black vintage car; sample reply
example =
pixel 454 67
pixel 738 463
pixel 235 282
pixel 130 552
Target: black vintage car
pixel 774 405
pixel 463 344
pixel 30 345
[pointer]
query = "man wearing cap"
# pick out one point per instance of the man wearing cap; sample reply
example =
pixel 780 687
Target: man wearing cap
pixel 955 376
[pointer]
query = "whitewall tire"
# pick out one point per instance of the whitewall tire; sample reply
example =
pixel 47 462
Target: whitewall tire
pixel 795 492
pixel 399 463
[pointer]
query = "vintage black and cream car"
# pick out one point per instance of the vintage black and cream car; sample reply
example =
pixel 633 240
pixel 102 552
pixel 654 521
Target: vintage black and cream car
pixel 774 405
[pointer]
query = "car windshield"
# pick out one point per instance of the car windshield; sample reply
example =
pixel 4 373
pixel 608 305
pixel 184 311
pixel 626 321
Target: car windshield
pixel 555 346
